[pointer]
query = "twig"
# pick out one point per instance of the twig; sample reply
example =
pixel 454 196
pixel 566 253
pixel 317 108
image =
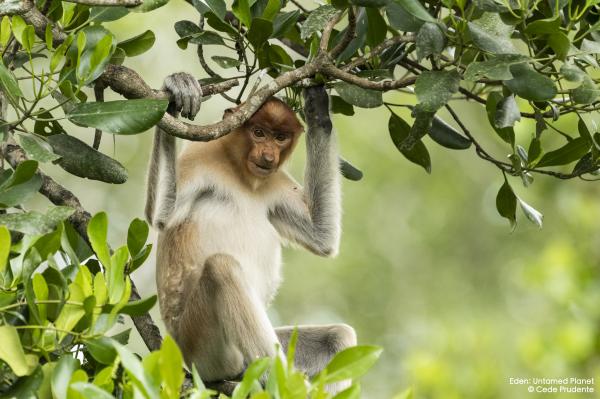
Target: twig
pixel 108 3
pixel 348 37
pixel 505 166
pixel 99 95
pixel 300 6
pixel 377 50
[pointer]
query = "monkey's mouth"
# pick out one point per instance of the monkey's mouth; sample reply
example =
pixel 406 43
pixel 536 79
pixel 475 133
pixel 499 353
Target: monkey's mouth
pixel 260 170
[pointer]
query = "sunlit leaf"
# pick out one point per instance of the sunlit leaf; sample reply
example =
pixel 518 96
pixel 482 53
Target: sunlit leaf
pixel 352 363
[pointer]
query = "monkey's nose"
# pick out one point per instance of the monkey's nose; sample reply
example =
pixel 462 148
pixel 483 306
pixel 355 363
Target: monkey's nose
pixel 269 158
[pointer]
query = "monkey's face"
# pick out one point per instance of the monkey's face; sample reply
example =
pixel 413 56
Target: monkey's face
pixel 268 149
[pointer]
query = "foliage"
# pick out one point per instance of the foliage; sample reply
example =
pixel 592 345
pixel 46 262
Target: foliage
pixel 521 59
pixel 59 301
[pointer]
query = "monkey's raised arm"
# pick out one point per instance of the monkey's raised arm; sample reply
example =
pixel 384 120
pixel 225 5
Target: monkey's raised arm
pixel 161 190
pixel 312 217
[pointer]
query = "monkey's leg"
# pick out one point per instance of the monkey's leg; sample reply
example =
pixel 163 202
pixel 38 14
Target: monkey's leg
pixel 224 327
pixel 316 346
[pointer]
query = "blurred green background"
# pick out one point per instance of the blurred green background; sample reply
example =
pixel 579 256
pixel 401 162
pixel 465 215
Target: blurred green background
pixel 427 269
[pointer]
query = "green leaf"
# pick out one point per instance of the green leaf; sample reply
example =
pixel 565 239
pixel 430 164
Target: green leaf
pixel 101 349
pixel 97 230
pixel 251 375
pixel 21 185
pixel 119 117
pixel 139 307
pixel 492 35
pixel 93 61
pixel 506 203
pixel 107 14
pixel 81 160
pixel 18 26
pixel 430 40
pixel 377 27
pixel 507 113
pixel 35 223
pixel 207 38
pixel 138 44
pixel 435 88
pixel 560 43
pixel 37 149
pixel 136 372
pixel 4 247
pixel 570 152
pixel 137 234
pixel 507 134
pixel 61 375
pixel 316 20
pixel 530 84
pixel 271 10
pixel 496 68
pixel 531 213
pixel 401 19
pixel 89 390
pixel 543 26
pixel 358 96
pixel 226 62
pixel 171 367
pixel 28 38
pixel 217 7
pixel 259 32
pixel 149 5
pixel 241 9
pixel 586 93
pixel 11 351
pixel 399 132
pixel 416 9
pixel 115 279
pixel 9 84
pixel 339 106
pixel 446 136
pixel 283 22
pixel 534 153
pixel 352 363
pixel 572 73
pixel 349 393
pixel 349 171
pixel 5 31
pixel 26 387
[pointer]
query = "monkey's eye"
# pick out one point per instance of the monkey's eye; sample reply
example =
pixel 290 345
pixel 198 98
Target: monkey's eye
pixel 281 137
pixel 258 132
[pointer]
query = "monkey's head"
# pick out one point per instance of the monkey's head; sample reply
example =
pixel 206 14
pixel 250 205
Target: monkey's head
pixel 268 137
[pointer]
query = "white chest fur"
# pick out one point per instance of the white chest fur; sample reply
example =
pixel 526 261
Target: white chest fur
pixel 237 224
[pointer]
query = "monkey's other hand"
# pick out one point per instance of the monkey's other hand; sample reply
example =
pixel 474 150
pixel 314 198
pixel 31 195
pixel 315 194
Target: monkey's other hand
pixel 186 94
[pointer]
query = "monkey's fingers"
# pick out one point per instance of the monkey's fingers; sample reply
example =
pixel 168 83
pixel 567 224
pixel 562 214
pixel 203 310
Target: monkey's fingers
pixel 196 99
pixel 175 85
